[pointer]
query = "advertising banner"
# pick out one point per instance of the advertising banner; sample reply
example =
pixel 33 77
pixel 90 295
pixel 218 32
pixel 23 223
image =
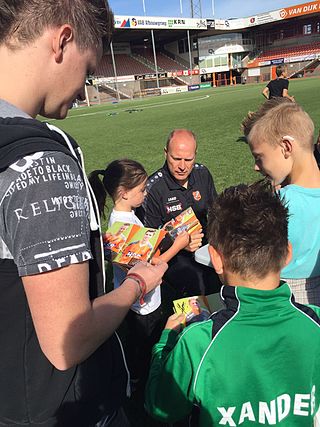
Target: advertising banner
pixel 107 80
pixel 193 87
pixel 277 61
pixel 173 89
pixel 264 18
pixel 218 69
pixel 264 63
pixel 300 9
pixel 150 76
pixel 156 22
pixel 253 72
pixel 300 58
pixel 205 85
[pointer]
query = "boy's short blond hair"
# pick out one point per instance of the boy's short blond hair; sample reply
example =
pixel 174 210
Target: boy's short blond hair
pixel 277 118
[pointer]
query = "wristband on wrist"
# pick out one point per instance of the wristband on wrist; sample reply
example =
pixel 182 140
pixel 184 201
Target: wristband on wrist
pixel 141 283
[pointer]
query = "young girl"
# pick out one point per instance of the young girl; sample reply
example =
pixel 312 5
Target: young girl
pixel 125 180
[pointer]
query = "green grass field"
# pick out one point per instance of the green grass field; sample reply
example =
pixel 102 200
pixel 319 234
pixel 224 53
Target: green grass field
pixel 213 114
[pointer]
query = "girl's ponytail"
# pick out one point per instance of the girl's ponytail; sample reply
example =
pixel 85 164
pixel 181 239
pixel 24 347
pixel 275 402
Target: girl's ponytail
pixel 98 189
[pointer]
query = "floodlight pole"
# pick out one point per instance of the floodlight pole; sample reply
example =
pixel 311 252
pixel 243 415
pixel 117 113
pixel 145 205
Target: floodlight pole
pixel 181 8
pixel 212 6
pixel 190 55
pixel 114 71
pixel 153 47
pixel 155 58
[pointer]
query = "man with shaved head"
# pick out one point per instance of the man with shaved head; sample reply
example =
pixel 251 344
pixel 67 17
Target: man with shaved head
pixel 179 184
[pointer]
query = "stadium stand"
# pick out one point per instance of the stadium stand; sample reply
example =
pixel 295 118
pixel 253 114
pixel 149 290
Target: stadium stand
pixel 126 66
pixel 285 52
pixel 164 63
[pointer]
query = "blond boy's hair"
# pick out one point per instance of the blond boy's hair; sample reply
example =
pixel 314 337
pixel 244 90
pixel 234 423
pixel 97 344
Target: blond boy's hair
pixel 277 118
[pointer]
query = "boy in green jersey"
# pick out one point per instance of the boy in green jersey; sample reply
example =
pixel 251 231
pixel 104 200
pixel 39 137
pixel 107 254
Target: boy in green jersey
pixel 255 362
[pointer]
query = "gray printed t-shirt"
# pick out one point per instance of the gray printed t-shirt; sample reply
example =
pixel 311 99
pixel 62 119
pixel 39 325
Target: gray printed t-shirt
pixel 44 211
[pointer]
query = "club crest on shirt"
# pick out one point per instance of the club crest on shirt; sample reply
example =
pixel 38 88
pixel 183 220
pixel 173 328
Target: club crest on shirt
pixel 196 195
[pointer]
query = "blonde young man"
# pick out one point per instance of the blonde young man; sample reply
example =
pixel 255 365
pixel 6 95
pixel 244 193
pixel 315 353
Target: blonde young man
pixel 281 139
pixel 58 348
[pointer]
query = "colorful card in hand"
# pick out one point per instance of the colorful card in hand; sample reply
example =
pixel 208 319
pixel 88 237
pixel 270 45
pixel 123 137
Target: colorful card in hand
pixel 115 238
pixel 197 308
pixel 186 221
pixel 141 246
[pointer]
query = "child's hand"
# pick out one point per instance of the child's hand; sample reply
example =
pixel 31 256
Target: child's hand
pixel 176 322
pixel 195 241
pixel 156 260
pixel 106 237
pixel 182 240
pixel 167 224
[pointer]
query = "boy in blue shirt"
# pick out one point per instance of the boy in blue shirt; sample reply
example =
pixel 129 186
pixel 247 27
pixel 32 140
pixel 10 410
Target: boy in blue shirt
pixel 281 139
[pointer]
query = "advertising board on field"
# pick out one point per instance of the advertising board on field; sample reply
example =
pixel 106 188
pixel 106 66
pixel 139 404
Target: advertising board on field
pixel 191 88
pixel 205 85
pixel 108 80
pixel 253 72
pixel 173 89
pixel 150 76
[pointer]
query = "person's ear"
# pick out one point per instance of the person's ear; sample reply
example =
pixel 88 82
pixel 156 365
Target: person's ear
pixel 123 194
pixel 289 255
pixel 165 152
pixel 216 259
pixel 63 36
pixel 286 145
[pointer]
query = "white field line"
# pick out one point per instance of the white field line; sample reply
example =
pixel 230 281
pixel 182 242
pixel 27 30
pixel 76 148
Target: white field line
pixel 159 104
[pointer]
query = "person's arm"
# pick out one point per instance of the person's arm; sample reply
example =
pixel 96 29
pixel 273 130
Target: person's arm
pixel 285 94
pixel 47 232
pixel 181 242
pixel 285 90
pixel 265 92
pixel 168 390
pixel 69 326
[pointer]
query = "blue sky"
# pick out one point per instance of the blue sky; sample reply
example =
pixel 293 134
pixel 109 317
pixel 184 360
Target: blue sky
pixel 223 8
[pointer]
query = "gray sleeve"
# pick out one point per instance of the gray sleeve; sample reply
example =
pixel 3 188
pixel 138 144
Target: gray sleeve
pixel 45 214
